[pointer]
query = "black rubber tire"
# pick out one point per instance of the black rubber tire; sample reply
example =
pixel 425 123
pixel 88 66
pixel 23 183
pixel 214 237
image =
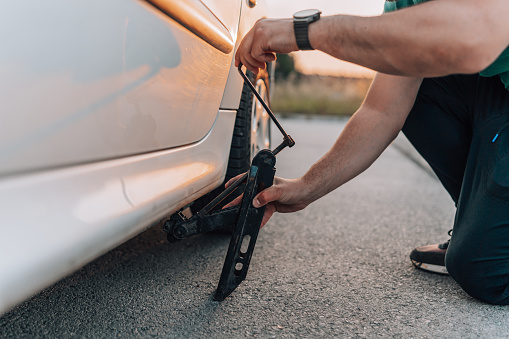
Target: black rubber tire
pixel 240 151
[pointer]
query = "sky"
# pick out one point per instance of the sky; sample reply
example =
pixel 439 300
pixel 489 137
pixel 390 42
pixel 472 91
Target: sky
pixel 315 62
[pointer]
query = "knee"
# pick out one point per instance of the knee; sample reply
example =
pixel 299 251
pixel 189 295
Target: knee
pixel 485 279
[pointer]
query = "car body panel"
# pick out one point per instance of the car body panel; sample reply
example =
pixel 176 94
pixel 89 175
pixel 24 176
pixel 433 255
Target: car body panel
pixel 227 12
pixel 233 90
pixel 107 79
pixel 199 19
pixel 67 217
pixel 111 119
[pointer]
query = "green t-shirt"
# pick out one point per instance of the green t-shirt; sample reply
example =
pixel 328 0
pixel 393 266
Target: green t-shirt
pixel 500 67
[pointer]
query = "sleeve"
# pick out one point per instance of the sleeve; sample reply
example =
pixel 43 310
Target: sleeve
pixel 393 5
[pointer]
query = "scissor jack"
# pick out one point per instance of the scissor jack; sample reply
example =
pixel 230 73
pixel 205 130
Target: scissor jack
pixel 245 218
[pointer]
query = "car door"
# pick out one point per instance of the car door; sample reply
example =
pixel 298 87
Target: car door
pixel 84 81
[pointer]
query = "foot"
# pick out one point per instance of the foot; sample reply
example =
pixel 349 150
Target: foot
pixel 430 258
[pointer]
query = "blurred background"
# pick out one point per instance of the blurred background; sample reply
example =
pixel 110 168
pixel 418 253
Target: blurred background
pixel 312 82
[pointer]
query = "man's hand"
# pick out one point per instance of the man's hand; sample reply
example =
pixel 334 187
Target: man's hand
pixel 284 196
pixel 267 37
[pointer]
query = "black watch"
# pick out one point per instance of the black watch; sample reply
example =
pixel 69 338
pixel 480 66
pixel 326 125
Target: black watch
pixel 301 21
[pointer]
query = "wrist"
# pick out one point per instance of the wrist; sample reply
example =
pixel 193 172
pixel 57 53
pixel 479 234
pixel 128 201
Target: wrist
pixel 308 189
pixel 279 34
pixel 316 33
pixel 302 20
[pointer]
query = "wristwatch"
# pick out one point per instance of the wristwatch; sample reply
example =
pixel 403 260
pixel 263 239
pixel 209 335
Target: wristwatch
pixel 301 21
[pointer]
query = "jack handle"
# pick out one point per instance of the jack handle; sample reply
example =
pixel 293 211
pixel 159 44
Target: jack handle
pixel 287 140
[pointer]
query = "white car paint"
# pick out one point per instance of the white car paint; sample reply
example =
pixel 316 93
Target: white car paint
pixel 54 222
pixel 112 116
pixel 92 80
pixel 233 90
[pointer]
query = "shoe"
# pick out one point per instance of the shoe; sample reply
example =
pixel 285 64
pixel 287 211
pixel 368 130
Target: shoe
pixel 431 258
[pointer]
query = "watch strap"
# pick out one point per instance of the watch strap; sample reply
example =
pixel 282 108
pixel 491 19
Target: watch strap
pixel 301 35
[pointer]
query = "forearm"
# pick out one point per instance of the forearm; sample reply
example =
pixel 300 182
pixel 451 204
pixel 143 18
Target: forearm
pixel 431 39
pixel 370 130
pixel 363 139
pixel 367 134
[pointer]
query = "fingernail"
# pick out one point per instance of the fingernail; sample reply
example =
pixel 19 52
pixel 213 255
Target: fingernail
pixel 256 203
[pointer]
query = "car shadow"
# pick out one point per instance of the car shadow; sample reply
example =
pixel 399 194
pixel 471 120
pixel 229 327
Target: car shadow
pixel 145 265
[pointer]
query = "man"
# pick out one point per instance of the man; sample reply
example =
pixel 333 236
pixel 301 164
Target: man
pixel 428 55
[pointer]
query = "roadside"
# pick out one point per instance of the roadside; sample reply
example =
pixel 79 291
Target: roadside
pixel 326 97
pixel 318 95
pixel 402 144
pixel 339 268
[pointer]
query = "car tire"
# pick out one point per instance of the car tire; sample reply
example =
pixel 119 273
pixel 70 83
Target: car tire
pixel 252 127
pixel 250 135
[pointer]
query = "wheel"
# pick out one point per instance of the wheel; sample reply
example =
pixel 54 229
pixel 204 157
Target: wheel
pixel 252 127
pixel 250 135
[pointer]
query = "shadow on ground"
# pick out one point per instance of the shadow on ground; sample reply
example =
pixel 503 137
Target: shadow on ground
pixel 339 268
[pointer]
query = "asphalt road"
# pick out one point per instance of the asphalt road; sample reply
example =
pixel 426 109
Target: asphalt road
pixel 340 268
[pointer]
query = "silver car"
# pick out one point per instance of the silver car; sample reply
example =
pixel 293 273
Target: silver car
pixel 113 115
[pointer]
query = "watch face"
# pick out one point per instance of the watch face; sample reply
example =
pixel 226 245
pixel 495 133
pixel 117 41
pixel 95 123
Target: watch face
pixel 306 13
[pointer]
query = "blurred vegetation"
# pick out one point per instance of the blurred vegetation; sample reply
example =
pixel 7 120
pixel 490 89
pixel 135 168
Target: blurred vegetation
pixel 285 67
pixel 314 94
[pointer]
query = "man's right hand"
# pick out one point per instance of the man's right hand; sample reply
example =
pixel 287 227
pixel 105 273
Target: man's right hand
pixel 263 41
pixel 284 196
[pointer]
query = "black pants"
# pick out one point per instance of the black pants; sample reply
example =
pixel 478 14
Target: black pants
pixel 460 125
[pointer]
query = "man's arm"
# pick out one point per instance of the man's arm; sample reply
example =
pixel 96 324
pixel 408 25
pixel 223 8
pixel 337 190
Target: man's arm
pixel 370 130
pixel 431 39
pixel 366 135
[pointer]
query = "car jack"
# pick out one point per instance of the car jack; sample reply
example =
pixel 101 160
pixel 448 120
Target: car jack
pixel 245 218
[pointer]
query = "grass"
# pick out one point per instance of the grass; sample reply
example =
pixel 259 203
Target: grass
pixel 320 95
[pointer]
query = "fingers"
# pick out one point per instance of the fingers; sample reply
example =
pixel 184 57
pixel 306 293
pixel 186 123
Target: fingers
pixel 234 202
pixel 269 57
pixel 267 37
pixel 232 180
pixel 269 211
pixel 245 44
pixel 252 51
pixel 251 63
pixel 268 195
pixel 260 53
pixel 265 198
pixel 243 54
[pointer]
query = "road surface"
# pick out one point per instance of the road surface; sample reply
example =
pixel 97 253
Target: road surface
pixel 340 268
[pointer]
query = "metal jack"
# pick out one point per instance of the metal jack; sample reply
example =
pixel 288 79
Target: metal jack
pixel 246 218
